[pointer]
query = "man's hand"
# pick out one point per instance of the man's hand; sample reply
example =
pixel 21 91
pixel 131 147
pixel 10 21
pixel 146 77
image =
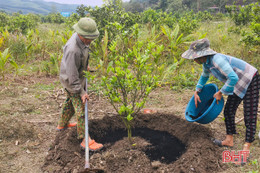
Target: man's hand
pixel 218 96
pixel 84 97
pixel 196 98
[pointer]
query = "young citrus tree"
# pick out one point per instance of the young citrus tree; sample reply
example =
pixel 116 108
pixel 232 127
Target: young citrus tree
pixel 130 77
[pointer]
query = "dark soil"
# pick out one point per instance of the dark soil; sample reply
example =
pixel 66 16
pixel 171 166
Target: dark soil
pixel 161 143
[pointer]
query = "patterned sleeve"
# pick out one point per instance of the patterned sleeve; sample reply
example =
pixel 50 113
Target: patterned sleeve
pixel 203 78
pixel 225 68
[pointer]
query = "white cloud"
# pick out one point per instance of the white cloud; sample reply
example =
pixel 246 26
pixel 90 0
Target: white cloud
pixel 85 2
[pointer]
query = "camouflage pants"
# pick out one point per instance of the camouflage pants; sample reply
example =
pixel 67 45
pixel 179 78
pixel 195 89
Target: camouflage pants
pixel 73 105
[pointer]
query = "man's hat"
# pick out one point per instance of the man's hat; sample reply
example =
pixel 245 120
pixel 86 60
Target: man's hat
pixel 87 28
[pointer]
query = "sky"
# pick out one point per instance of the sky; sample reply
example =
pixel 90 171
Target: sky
pixel 85 2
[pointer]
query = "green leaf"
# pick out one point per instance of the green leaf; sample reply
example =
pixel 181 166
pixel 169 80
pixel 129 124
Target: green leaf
pixel 129 117
pixel 176 32
pixel 14 64
pixel 122 109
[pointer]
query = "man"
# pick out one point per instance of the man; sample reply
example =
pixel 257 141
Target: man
pixel 74 63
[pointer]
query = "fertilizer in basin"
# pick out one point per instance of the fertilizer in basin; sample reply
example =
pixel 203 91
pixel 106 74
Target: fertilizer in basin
pixel 204 109
pixel 208 109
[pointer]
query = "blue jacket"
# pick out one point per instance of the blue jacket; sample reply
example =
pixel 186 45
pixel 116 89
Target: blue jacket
pixel 235 73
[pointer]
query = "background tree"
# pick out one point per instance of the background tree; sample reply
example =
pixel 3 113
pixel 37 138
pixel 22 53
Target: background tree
pixel 176 6
pixel 180 6
pixel 81 10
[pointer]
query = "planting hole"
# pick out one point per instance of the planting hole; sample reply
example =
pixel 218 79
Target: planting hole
pixel 162 146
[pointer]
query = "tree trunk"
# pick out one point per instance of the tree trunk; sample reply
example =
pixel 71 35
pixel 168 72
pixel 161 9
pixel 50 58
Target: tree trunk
pixel 129 133
pixel 198 5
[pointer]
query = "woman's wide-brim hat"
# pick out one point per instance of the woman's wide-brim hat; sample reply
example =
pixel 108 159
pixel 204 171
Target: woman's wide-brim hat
pixel 199 48
pixel 87 28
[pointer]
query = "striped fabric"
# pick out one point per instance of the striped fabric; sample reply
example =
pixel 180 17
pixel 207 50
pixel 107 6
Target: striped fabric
pixel 235 73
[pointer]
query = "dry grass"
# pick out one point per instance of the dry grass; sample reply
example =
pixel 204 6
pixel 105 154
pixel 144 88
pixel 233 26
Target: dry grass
pixel 227 42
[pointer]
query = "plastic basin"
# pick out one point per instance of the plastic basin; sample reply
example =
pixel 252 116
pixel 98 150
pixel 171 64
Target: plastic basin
pixel 208 109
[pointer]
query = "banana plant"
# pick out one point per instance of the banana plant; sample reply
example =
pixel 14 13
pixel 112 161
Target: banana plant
pixel 5 38
pixel 66 35
pixel 54 62
pixel 16 67
pixel 104 51
pixel 172 69
pixel 153 33
pixel 4 57
pixel 174 37
pixel 5 34
pixel 1 41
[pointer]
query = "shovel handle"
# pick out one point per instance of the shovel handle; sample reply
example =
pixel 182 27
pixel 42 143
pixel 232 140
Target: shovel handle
pixel 86 132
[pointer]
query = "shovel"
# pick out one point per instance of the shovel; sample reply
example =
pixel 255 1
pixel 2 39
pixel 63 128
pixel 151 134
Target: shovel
pixel 87 165
pixel 86 132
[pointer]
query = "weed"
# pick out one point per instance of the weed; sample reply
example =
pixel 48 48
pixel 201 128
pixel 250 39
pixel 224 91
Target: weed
pixel 44 87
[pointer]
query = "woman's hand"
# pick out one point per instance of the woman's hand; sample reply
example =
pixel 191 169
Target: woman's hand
pixel 218 96
pixel 196 98
pixel 84 97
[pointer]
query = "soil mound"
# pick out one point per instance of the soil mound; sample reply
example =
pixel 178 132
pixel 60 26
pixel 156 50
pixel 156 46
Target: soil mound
pixel 162 142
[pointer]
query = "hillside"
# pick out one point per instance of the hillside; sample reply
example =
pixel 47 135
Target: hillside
pixel 35 6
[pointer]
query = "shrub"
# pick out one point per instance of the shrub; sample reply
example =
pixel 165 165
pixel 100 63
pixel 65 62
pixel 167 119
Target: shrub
pixel 158 18
pixel 18 47
pixel 252 37
pixel 107 17
pixel 22 23
pixel 130 77
pixel 244 15
pixel 54 18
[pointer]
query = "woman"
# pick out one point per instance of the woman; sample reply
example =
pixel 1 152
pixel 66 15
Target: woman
pixel 241 82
